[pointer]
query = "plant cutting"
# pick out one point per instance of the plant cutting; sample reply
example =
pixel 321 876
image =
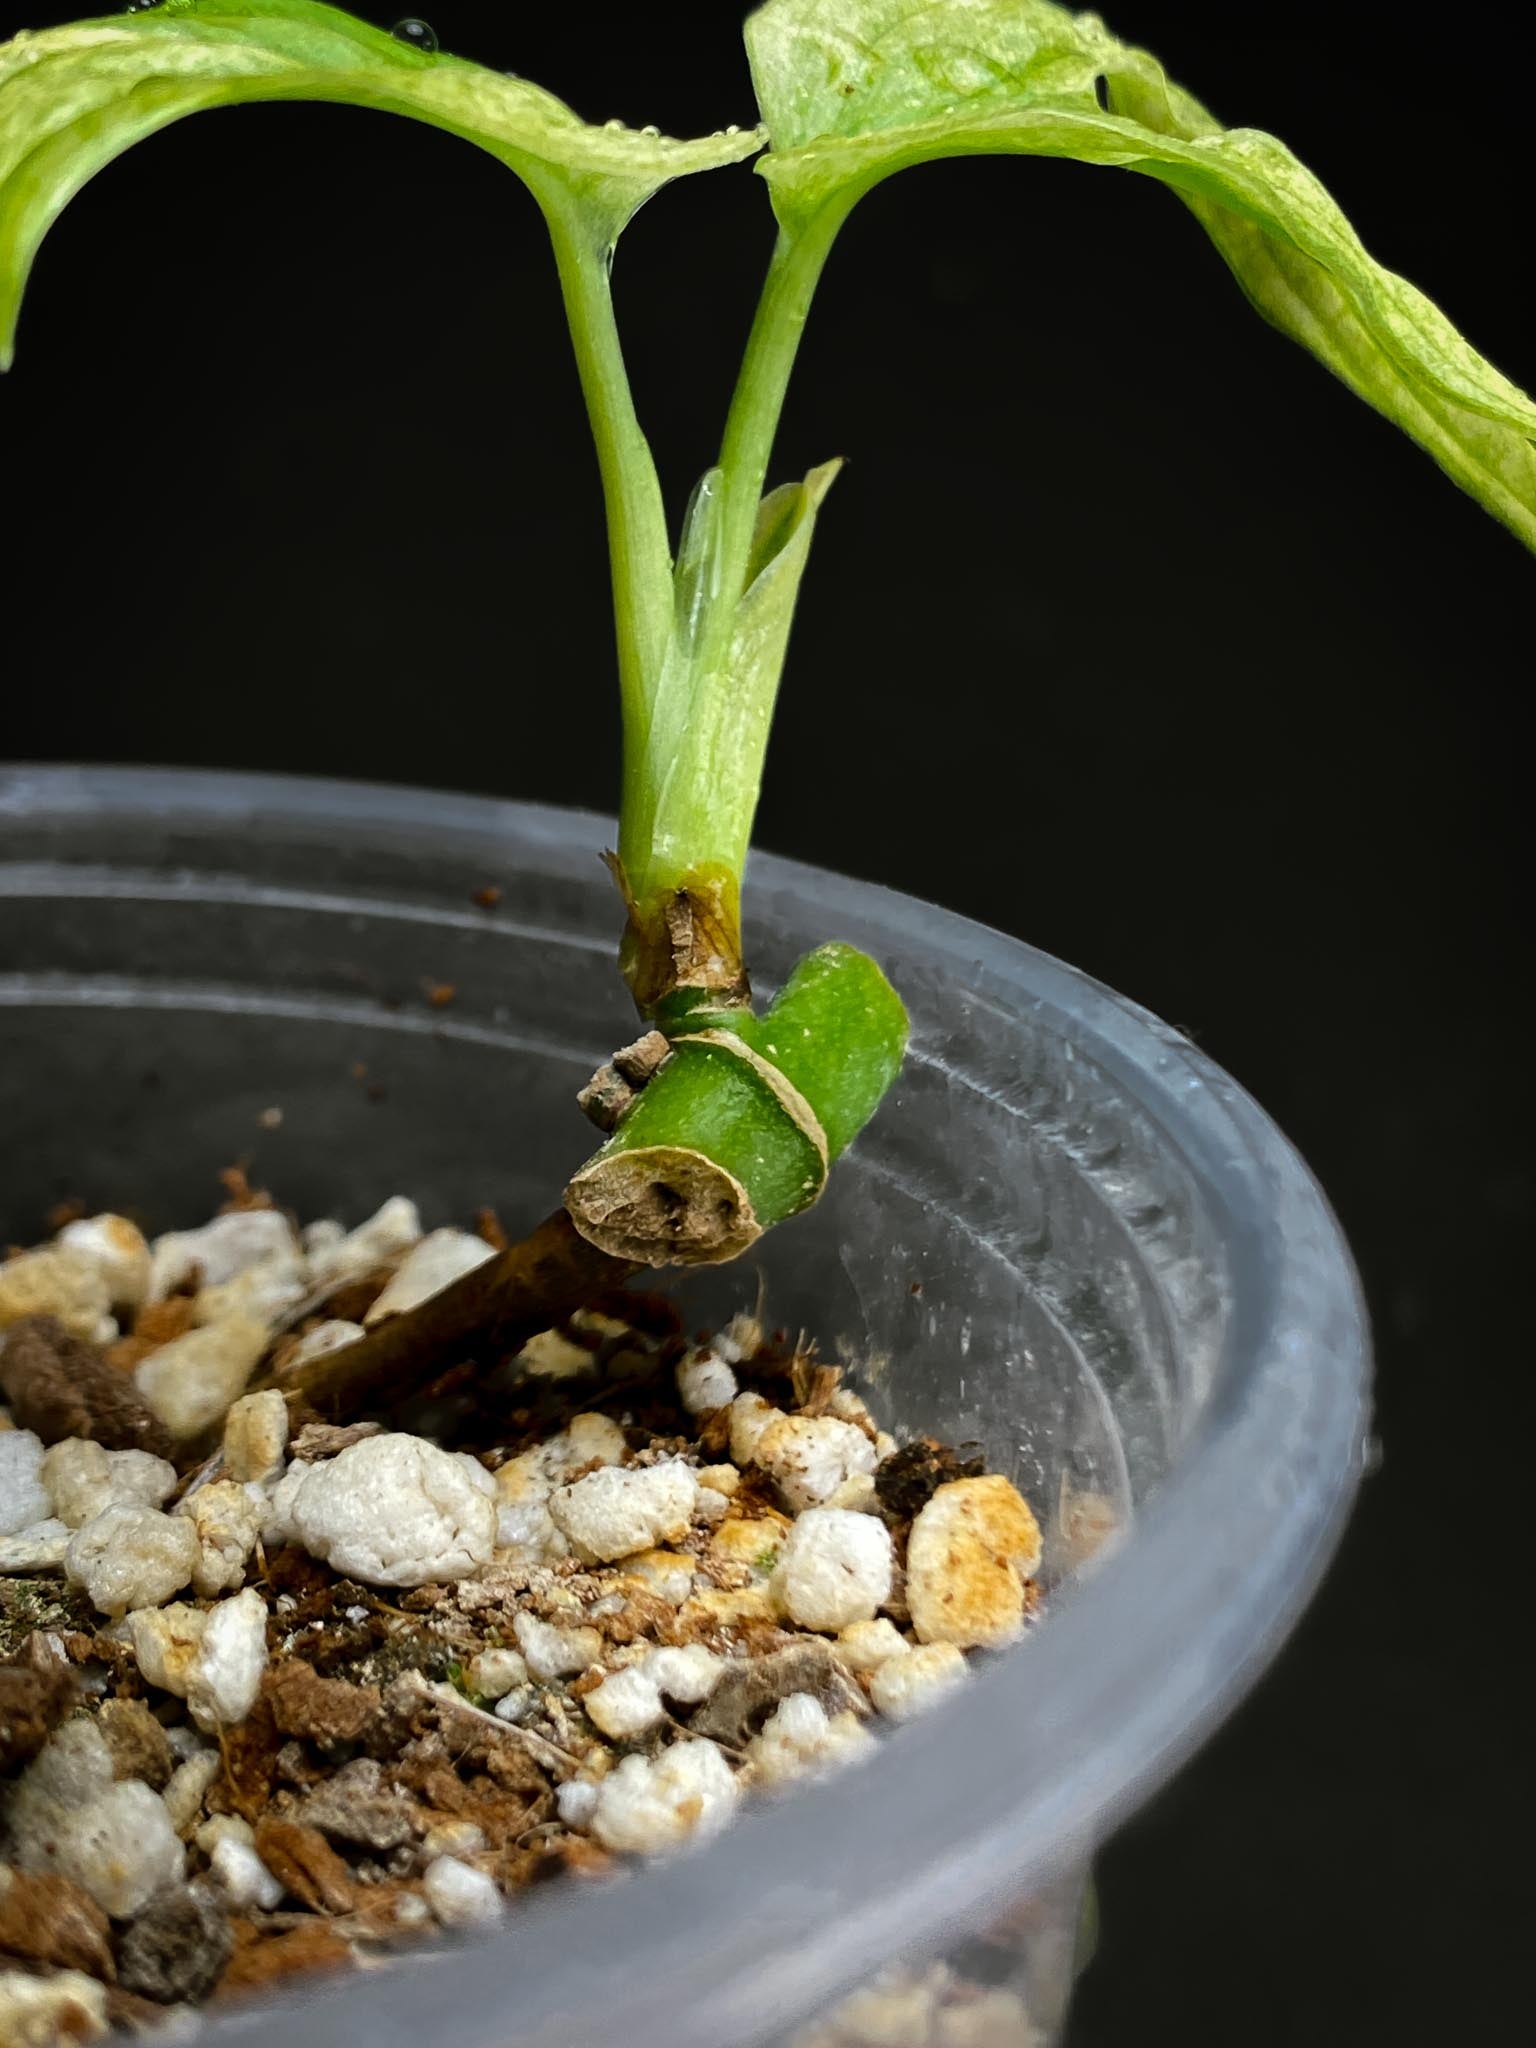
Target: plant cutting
pixel 728 1120
pixel 725 1120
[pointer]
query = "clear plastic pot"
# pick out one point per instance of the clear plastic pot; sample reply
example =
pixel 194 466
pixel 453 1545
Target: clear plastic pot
pixel 1067 1235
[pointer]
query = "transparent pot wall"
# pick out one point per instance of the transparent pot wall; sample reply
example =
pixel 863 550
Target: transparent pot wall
pixel 1028 1249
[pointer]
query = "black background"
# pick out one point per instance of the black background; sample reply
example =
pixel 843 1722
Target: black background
pixel 1127 631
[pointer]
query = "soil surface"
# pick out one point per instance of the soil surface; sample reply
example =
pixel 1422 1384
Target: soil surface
pixel 280 1692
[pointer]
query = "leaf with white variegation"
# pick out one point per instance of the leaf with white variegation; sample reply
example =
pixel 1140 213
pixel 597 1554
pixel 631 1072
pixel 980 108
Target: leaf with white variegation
pixel 72 99
pixel 854 90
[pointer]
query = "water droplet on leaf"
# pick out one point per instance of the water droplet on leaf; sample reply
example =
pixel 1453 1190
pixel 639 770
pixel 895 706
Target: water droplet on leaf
pixel 421 35
pixel 650 129
pixel 616 124
pixel 734 128
pixel 142 6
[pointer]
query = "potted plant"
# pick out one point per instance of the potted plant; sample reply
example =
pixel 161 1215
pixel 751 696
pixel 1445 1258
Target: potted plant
pixel 730 1121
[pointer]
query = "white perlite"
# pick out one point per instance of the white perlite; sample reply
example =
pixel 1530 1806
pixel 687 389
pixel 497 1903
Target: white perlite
pixel 256 1437
pixel 688 1674
pixel 188 1787
pixel 555 1652
pixel 24 1497
pixel 212 1657
pixel 857 1492
pixel 585 1439
pixel 166 1642
pixel 866 1645
pixel 245 1879
pixel 277 1527
pixel 82 1479
pixel 665 1573
pixel 751 1416
pixel 228 1521
pixel 902 1687
pixel 452 1838
pixel 394 1510
pixel 116 1843
pixel 219 1250
pixel 625 1705
pixel 524 1485
pixel 972 1547
pixel 190 1383
pixel 495 1672
pixel 705 1382
pixel 649 1806
pixel 808 1457
pixel 460 1895
pixel 799 1741
pixel 323 1339
pixel 119 1251
pixel 623 1509
pixel 441 1257
pixel 576 1802
pixel 131 1557
pixel 58 1280
pixel 388 1234
pixel 262 1293
pixel 551 1356
pixel 56 2011
pixel 38 1548
pixel 72 1768
pixel 633 1700
pixel 226 1673
pixel 834 1569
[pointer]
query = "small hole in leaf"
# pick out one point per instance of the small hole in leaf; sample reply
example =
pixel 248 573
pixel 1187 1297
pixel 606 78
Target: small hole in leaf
pixel 1101 91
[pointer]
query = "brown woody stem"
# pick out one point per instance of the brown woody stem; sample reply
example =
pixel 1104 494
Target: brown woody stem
pixel 494 1308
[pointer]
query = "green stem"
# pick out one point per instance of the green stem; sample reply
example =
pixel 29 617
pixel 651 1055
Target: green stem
pixel 737 1130
pixel 693 763
pixel 638 552
pixel 793 274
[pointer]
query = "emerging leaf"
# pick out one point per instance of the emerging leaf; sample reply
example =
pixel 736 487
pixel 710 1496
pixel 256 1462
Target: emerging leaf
pixel 71 99
pixel 853 90
pixel 701 750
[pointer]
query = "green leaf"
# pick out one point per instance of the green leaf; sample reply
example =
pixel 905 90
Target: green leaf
pixel 72 99
pixel 854 90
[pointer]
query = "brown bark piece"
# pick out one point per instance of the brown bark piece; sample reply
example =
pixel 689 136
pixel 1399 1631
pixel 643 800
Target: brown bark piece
pixel 260 1961
pixel 304 1863
pixel 250 1765
pixel 908 1479
pixel 605 1099
pixel 156 1323
pixel 355 1806
pixel 35 1695
pixel 489 1228
pixel 127 2011
pixel 749 1691
pixel 329 1439
pixel 238 1192
pixel 137 1742
pixel 177 1948
pixel 813 1384
pixel 319 1709
pixel 47 1920
pixel 59 1386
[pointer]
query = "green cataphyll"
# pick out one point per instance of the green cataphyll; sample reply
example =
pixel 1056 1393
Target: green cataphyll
pixel 740 1124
